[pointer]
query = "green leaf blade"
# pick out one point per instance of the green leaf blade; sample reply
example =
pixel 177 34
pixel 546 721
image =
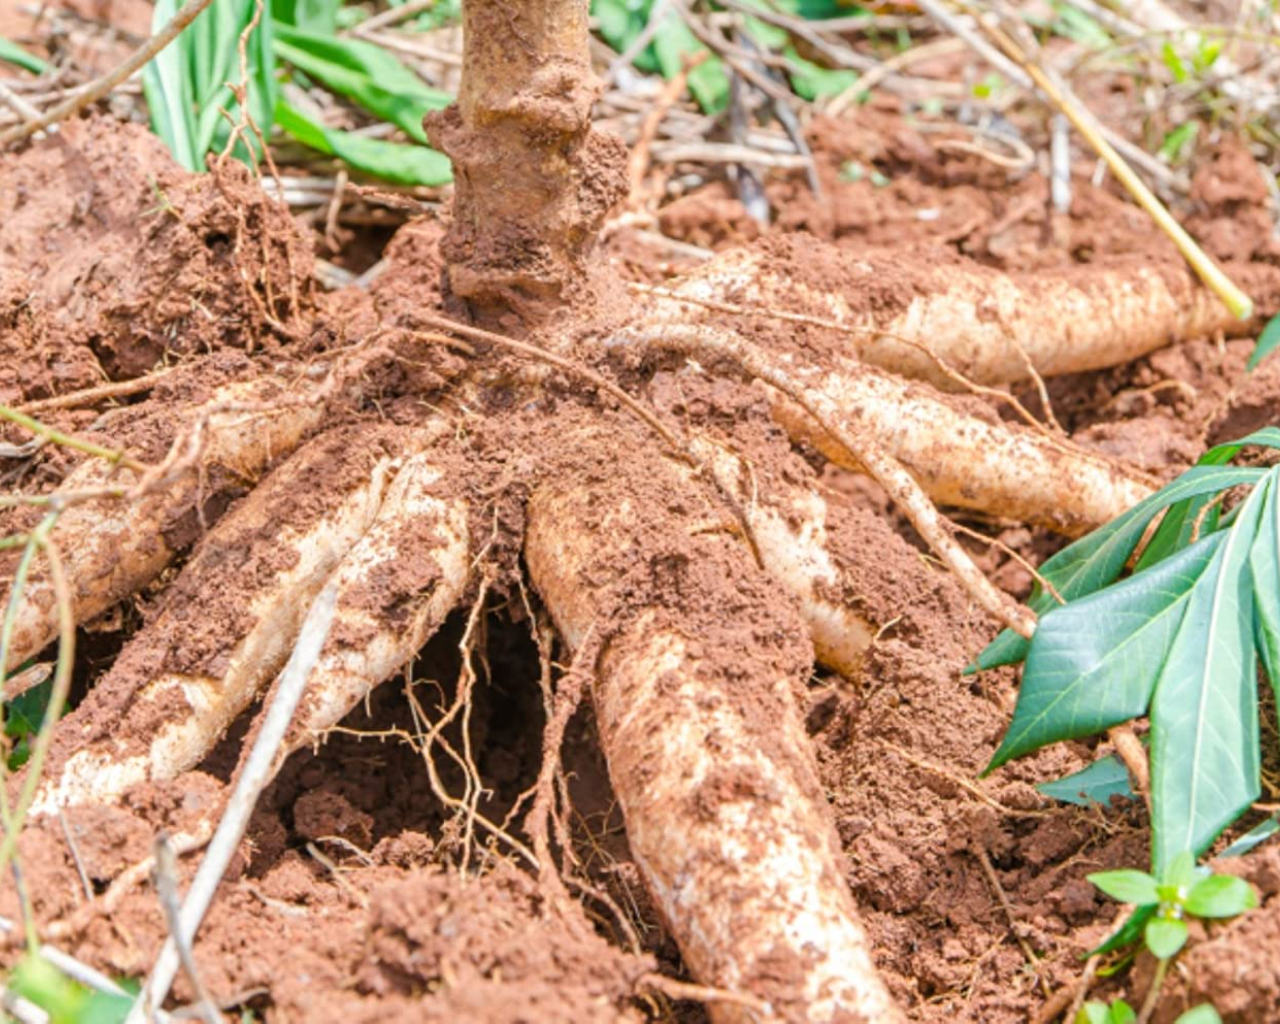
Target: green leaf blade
pixel 1094 663
pixel 1107 777
pixel 12 53
pixel 1205 760
pixel 1097 560
pixel 1221 896
pixel 1268 342
pixel 1128 885
pixel 403 164
pixel 1165 936
pixel 366 74
pixel 1202 1014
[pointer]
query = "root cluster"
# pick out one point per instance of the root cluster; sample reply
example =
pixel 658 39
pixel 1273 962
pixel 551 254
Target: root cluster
pixel 682 549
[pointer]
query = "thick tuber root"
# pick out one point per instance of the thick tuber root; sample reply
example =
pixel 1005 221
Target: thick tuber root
pixel 697 679
pixel 115 546
pixel 969 460
pixel 990 327
pixel 239 605
pixel 395 588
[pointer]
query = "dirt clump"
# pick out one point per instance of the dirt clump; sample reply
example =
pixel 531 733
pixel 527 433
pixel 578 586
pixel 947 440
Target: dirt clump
pixel 113 259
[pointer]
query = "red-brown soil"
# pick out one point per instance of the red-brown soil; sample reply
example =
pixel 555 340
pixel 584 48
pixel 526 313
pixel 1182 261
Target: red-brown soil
pixel 357 895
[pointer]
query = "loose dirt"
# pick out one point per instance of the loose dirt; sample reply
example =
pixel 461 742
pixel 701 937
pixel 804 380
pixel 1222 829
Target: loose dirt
pixel 347 902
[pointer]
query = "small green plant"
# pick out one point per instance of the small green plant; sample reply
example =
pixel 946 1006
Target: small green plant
pixel 1120 1012
pixel 66 1001
pixel 1182 890
pixel 1094 1012
pixel 1179 640
pixel 1162 906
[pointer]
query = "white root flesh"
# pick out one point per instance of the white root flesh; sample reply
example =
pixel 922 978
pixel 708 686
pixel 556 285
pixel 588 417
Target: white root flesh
pixel 789 532
pixel 114 547
pixel 966 461
pixel 283 566
pixel 395 588
pixel 989 326
pixel 724 812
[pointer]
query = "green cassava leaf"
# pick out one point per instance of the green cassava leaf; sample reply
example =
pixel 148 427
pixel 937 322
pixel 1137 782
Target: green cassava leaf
pixel 1165 936
pixel 12 53
pixel 1093 663
pixel 1204 721
pixel 1267 437
pixel 1268 342
pixel 1096 784
pixel 1220 896
pixel 1179 526
pixel 1128 885
pixel 403 164
pixel 1264 566
pixel 1097 560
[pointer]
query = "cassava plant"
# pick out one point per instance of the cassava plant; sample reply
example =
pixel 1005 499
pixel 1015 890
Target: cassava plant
pixel 687 561
pixel 1178 640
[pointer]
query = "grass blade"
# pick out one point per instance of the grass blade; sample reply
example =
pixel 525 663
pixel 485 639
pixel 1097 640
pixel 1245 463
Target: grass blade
pixel 168 92
pixel 405 165
pixel 12 53
pixel 1268 342
pixel 366 74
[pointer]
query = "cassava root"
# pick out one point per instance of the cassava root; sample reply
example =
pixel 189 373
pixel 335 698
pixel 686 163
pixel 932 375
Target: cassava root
pixel 276 561
pixel 667 691
pixel 695 691
pixel 113 546
pixel 966 459
pixel 987 326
